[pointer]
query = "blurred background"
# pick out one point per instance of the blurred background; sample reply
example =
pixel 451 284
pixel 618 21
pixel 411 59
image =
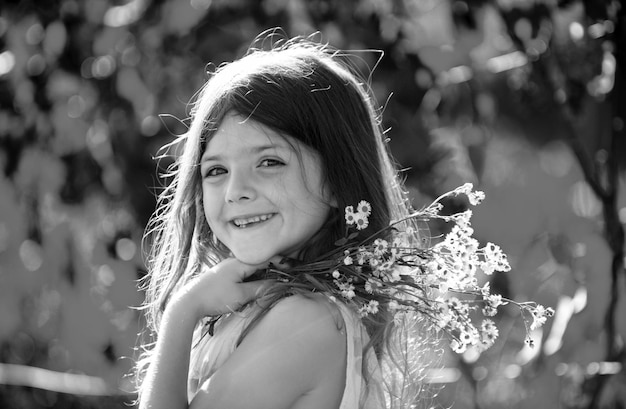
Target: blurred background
pixel 526 99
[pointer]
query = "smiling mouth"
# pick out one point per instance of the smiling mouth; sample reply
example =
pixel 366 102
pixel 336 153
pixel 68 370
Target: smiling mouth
pixel 243 223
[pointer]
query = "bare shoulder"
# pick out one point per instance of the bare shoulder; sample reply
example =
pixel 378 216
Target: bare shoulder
pixel 305 313
pixel 309 327
pixel 295 356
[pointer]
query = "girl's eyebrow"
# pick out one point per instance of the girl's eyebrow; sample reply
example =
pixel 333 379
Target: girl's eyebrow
pixel 256 149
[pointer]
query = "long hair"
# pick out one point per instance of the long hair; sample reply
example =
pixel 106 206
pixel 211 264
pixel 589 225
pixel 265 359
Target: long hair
pixel 310 92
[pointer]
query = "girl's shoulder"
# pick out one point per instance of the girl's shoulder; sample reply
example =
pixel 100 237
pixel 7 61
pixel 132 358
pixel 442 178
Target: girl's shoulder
pixel 295 351
pixel 306 310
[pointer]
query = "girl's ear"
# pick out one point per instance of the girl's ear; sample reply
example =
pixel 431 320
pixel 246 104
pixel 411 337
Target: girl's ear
pixel 333 202
pixel 329 196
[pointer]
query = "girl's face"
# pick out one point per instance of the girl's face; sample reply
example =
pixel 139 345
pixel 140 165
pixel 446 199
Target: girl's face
pixel 261 199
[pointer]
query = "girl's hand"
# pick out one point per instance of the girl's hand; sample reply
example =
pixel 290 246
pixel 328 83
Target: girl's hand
pixel 220 289
pixel 216 290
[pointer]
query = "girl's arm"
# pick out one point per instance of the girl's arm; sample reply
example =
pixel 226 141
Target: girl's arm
pixel 295 357
pixel 217 291
pixel 165 385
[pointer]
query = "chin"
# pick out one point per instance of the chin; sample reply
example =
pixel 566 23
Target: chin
pixel 255 254
pixel 253 258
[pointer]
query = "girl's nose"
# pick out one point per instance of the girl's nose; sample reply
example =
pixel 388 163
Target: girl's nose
pixel 239 188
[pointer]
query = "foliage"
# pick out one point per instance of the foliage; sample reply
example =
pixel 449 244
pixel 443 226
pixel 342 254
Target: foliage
pixel 513 95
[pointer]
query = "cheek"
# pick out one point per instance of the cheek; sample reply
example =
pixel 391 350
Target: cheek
pixel 312 178
pixel 211 209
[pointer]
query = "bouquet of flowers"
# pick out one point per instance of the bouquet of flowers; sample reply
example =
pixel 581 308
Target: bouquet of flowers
pixel 437 280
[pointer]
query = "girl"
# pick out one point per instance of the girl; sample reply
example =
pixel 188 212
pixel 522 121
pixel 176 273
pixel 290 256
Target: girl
pixel 267 287
pixel 280 143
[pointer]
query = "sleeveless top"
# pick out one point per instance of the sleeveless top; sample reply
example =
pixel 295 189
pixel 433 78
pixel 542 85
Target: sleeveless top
pixel 210 352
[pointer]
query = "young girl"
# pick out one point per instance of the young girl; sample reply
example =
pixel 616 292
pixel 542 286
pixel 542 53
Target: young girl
pixel 261 293
pixel 280 143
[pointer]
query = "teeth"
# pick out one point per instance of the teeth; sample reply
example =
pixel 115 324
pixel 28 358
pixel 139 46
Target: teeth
pixel 244 222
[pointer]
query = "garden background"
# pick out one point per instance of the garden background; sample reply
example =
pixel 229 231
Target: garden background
pixel 526 99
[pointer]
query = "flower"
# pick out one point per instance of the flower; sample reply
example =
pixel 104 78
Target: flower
pixel 346 289
pixel 364 208
pixel 489 330
pixel 495 259
pixel 360 219
pixel 374 262
pixel 437 277
pixel 362 256
pixel 488 334
pixel 370 308
pixel 380 247
pixel 350 220
pixel 540 314
pixel 474 197
pixel 371 285
pixel 492 302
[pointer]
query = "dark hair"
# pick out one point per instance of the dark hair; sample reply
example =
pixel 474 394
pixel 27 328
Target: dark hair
pixel 303 93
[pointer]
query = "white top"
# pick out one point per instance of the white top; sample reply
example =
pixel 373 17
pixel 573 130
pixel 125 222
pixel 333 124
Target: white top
pixel 210 352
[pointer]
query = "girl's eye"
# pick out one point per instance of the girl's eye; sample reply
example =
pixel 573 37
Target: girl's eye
pixel 215 171
pixel 268 163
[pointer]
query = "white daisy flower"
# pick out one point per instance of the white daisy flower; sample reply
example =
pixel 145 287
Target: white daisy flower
pixel 364 207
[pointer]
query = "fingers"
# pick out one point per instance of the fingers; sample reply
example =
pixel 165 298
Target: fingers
pixel 235 269
pixel 279 262
pixel 246 270
pixel 254 289
pixel 275 262
pixel 222 288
